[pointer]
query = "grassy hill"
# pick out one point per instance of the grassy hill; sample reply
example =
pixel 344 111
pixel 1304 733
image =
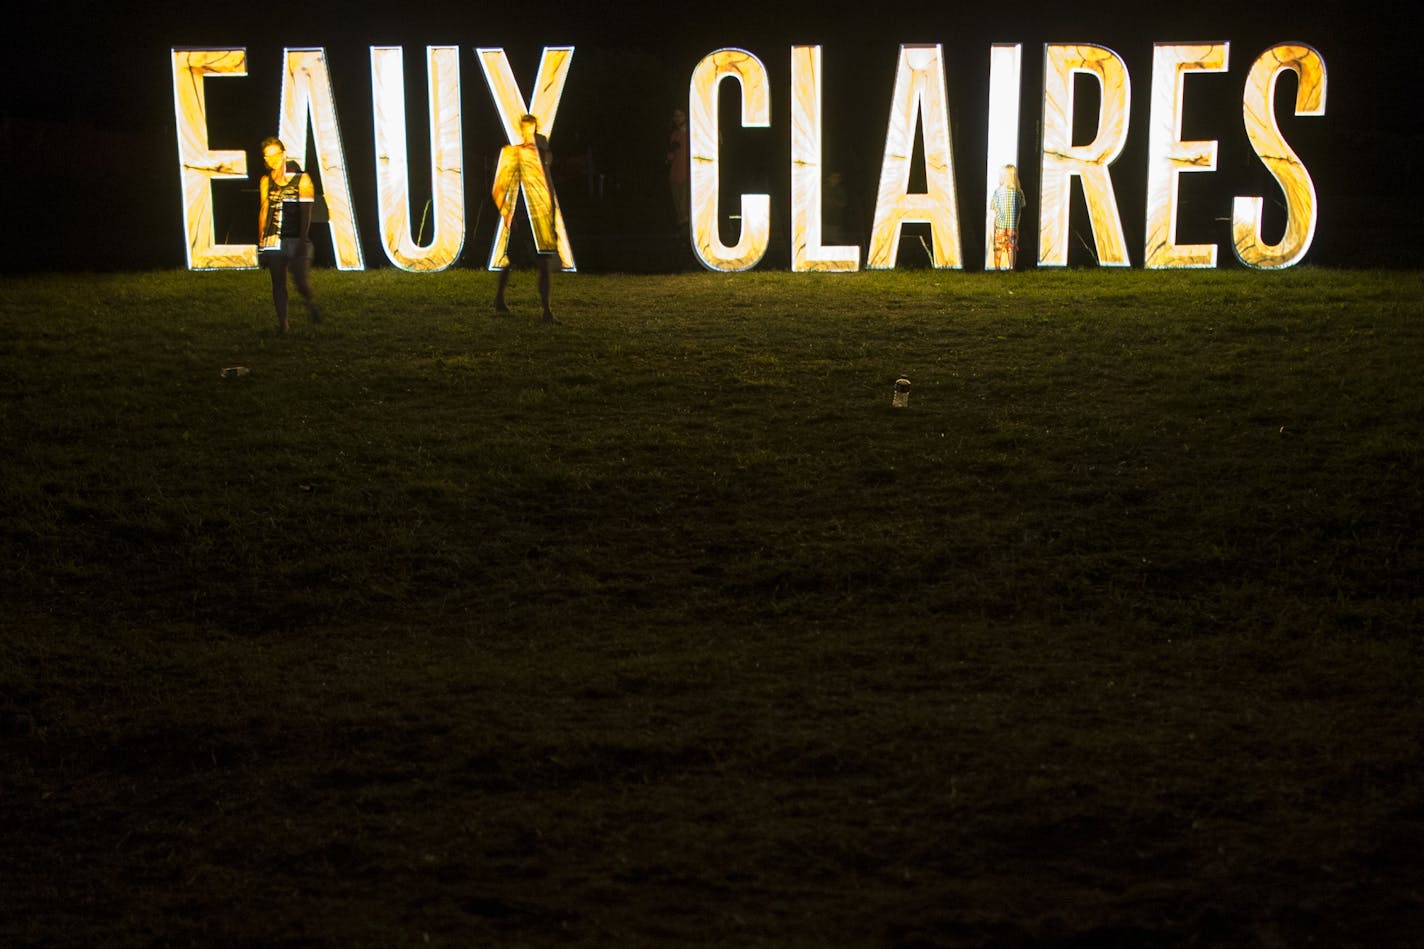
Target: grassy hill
pixel 661 627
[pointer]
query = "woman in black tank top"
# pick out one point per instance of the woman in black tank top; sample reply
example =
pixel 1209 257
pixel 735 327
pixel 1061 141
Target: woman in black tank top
pixel 284 213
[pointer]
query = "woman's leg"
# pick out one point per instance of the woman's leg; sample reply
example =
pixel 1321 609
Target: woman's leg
pixel 301 276
pixel 277 267
pixel 501 281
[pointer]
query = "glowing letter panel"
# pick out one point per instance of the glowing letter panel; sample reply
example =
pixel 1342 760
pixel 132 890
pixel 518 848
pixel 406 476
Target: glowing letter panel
pixel 548 89
pixel 1259 108
pixel 1168 156
pixel 447 193
pixel 306 92
pixel 807 251
pixel 1005 70
pixel 1063 161
pixel 919 93
pixel 197 164
pixel 749 73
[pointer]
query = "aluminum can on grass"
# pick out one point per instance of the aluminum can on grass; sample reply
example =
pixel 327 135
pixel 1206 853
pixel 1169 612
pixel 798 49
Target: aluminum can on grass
pixel 901 398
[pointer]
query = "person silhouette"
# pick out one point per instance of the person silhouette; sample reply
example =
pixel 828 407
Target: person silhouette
pixel 286 197
pixel 526 165
pixel 1007 204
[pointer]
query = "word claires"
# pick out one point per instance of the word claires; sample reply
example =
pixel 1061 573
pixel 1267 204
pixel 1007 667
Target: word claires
pixel 918 102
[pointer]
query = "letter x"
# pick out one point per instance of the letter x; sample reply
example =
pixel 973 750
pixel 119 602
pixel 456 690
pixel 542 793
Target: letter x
pixel 548 87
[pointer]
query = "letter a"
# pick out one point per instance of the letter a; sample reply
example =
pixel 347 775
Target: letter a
pixel 919 92
pixel 306 92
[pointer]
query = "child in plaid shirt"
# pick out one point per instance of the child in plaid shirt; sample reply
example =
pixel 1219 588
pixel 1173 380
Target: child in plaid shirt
pixel 1007 205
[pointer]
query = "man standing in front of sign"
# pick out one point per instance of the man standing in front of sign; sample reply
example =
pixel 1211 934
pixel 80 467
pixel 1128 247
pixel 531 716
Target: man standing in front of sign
pixel 526 166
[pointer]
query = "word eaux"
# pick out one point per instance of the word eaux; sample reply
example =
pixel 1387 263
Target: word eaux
pixel 306 95
pixel 920 96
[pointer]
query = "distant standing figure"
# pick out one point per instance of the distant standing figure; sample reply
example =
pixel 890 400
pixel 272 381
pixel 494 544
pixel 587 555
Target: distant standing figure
pixel 527 164
pixel 679 170
pixel 284 213
pixel 1008 204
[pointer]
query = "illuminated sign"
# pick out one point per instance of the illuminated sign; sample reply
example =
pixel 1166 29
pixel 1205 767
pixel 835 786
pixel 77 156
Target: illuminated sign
pixel 919 115
pixel 807 251
pixel 1005 70
pixel 548 88
pixel 747 71
pixel 447 198
pixel 919 94
pixel 307 100
pixel 1062 161
pixel 1259 109
pixel 198 165
pixel 306 95
pixel 1168 156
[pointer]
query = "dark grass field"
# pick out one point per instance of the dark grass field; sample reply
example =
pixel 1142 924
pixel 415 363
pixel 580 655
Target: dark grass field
pixel 663 628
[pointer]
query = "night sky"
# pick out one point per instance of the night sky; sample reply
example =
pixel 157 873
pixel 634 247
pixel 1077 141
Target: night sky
pixel 91 168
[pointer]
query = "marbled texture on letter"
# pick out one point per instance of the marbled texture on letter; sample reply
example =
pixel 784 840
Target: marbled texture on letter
pixel 1005 70
pixel 1168 156
pixel 704 140
pixel 306 91
pixel 198 165
pixel 1258 106
pixel 919 93
pixel 447 196
pixel 543 105
pixel 807 251
pixel 1063 161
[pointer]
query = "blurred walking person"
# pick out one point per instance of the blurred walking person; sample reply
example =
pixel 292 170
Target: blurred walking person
pixel 284 213
pixel 527 165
